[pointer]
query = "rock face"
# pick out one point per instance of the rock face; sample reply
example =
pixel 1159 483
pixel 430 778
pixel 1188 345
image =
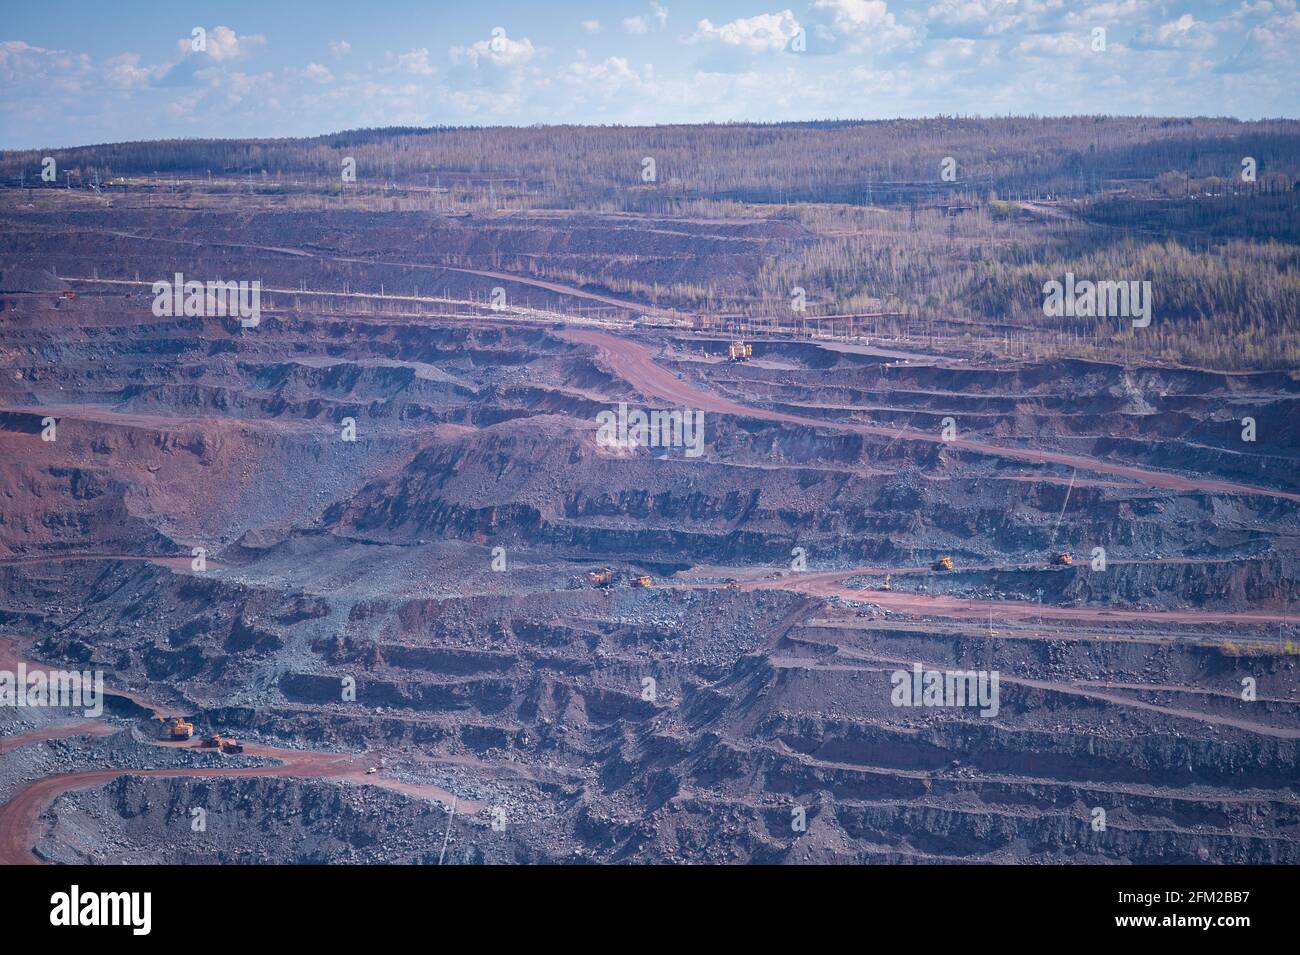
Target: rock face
pixel 243 822
pixel 420 594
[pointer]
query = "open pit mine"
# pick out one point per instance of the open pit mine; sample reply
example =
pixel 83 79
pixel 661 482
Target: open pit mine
pixel 500 526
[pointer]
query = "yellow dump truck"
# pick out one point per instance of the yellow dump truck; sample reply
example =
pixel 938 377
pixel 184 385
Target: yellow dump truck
pixel 943 563
pixel 740 351
pixel 222 744
pixel 1063 560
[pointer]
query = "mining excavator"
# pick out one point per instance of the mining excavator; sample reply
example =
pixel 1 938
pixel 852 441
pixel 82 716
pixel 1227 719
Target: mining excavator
pixel 176 728
pixel 1063 560
pixel 600 578
pixel 943 563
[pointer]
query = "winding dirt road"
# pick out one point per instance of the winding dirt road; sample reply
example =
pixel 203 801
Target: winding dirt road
pixel 19 816
pixel 555 287
pixel 635 364
pixel 1070 689
pixel 88 728
pixel 829 584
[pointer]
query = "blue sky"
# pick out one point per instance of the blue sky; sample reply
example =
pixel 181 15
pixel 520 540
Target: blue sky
pixel 78 72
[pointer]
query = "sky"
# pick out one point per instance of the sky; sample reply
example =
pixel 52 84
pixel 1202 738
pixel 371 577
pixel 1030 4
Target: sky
pixel 78 72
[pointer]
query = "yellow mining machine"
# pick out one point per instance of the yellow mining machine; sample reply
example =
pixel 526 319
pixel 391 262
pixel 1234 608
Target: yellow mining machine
pixel 174 728
pixel 600 578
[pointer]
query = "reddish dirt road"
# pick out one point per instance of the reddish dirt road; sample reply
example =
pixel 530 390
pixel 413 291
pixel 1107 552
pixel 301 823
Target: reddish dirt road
pixel 635 364
pixel 829 584
pixel 1071 689
pixel 567 290
pixel 19 817
pixel 88 728
pixel 556 287
pixel 920 605
pixel 177 562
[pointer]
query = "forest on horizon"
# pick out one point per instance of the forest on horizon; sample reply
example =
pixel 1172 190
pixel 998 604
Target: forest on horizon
pixel 952 219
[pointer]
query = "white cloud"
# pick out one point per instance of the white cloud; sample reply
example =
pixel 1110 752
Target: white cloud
pixel 416 63
pixel 765 33
pixel 498 51
pixel 1063 46
pixel 1278 38
pixel 640 25
pixel 1172 31
pixel 605 80
pixel 222 43
pixel 124 72
pixel 239 85
pixel 13 52
pixel 862 25
pixel 988 17
pixel 1185 33
pixel 973 56
pixel 953 53
pixel 58 70
pixel 1252 9
pixel 1112 10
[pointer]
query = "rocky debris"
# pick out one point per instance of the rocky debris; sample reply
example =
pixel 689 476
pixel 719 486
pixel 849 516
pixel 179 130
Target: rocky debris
pixel 419 598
